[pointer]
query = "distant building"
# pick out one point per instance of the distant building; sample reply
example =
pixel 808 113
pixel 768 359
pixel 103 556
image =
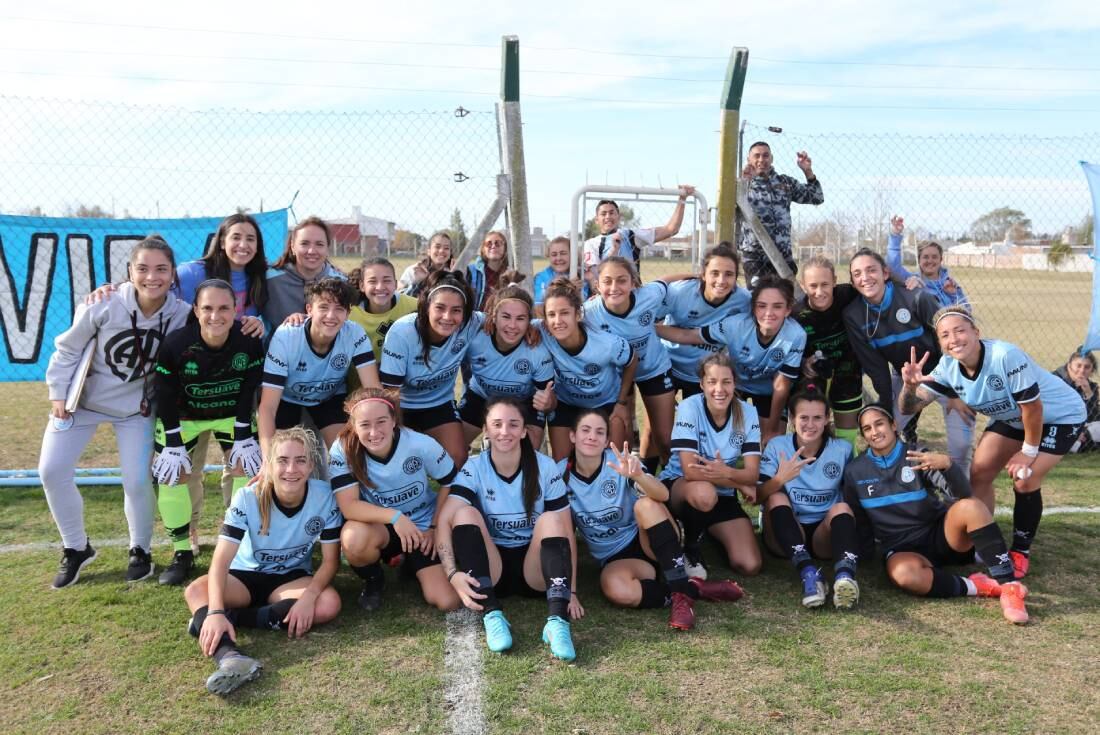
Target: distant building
pixel 539 242
pixel 361 235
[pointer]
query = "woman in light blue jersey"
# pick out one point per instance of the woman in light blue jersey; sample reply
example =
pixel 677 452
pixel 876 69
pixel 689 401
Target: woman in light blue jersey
pixel 800 488
pixel 505 529
pixel 620 512
pixel 1034 416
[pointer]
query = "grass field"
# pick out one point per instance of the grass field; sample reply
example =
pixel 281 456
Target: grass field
pixel 104 657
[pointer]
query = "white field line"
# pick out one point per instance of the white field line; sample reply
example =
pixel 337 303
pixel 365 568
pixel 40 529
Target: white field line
pixel 463 680
pixel 209 541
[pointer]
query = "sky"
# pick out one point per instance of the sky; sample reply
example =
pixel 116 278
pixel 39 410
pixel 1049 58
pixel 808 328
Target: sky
pixel 919 100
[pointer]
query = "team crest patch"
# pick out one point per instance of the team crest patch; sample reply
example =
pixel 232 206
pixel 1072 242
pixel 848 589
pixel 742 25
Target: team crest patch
pixel 125 353
pixel 832 470
pixel 412 465
pixel 458 346
pixel 907 474
pixel 339 362
pixel 995 382
pixel 776 355
pixel 737 438
pixel 314 525
pixel 591 368
pixel 904 316
pixel 645 318
pixel 240 362
pixel 608 488
pixel 523 367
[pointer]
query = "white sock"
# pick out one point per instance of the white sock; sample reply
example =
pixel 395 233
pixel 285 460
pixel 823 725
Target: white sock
pixel 971 588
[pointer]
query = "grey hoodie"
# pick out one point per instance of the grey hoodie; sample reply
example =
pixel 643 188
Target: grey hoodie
pixel 123 356
pixel 286 292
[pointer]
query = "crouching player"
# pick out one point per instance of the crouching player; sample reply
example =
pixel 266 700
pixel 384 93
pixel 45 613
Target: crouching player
pixel 261 574
pixel 620 511
pixel 887 488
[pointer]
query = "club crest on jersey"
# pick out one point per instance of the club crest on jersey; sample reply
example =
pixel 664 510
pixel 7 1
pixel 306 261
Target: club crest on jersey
pixel 129 353
pixel 907 474
pixel 645 318
pixel 608 488
pixel 523 367
pixel 339 362
pixel 458 346
pixel 412 465
pixel 776 354
pixel 591 368
pixel 240 362
pixel 314 525
pixel 832 470
pixel 995 382
pixel 737 438
pixel 903 316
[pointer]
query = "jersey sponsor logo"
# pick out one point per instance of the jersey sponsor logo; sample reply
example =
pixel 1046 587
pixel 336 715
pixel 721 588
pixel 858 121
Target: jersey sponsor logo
pixel 281 556
pixel 458 346
pixel 1015 370
pixel 604 517
pixel 685 425
pixel 993 408
pixel 339 361
pixel 433 381
pixel 831 470
pixel 391 353
pixel 523 366
pixel 191 368
pixel 321 386
pixel 591 368
pixel 903 316
pixel 239 362
pixel 804 498
pixel 404 494
pixel 511 522
pixel 609 488
pixel 412 465
pixel 238 512
pixel 645 318
pixel 907 474
pixel 277 360
pixel 314 525
pixel 209 390
pixel 995 382
pixel 129 352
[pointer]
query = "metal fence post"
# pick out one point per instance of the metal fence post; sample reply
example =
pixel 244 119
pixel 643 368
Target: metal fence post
pixel 514 166
pixel 728 173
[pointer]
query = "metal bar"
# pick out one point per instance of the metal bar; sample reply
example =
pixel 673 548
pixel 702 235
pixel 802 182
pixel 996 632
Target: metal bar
pixel 519 221
pixel 766 242
pixel 728 172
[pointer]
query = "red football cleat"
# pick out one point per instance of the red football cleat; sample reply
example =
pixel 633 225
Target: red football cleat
pixel 1020 563
pixel 987 586
pixel 718 590
pixel 1012 602
pixel 682 614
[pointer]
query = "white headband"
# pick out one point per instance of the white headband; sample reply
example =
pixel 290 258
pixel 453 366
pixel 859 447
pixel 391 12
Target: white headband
pixel 461 292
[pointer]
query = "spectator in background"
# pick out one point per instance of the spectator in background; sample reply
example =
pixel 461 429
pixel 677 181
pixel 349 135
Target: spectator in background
pixel 438 256
pixel 483 274
pixel 1076 372
pixel 771 194
pixel 305 259
pixel 933 276
pixel 558 254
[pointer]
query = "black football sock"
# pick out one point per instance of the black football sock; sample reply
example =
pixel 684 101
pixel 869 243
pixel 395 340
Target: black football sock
pixel 650 464
pixel 945 584
pixel 557 567
pixel 265 617
pixel 695 523
pixel 472 557
pixel 990 545
pixel 670 556
pixel 844 544
pixel 788 534
pixel 654 594
pixel 1025 519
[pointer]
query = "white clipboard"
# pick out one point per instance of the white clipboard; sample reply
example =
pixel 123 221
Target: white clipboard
pixel 76 388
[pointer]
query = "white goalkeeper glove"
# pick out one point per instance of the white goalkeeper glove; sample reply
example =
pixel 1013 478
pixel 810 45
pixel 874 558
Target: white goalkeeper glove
pixel 172 461
pixel 245 451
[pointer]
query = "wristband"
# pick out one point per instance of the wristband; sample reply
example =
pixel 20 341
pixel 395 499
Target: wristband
pixel 215 612
pixel 173 437
pixel 1030 450
pixel 241 431
pixel 453 573
pixel 396 515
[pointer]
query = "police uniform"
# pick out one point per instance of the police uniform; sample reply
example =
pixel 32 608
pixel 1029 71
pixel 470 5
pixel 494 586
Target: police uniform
pixel 771 196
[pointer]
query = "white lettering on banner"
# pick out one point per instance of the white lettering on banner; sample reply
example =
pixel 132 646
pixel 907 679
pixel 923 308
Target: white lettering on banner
pixel 81 271
pixel 24 320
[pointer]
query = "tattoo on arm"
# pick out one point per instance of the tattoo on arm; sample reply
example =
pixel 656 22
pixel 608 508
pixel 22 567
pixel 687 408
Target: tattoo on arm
pixel 914 400
pixel 446 558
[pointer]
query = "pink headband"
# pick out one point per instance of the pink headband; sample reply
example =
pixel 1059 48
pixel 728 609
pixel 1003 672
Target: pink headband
pixel 371 398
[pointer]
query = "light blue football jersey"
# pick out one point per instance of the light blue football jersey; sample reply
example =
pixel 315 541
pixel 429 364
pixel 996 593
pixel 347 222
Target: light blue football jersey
pixel 424 385
pixel 688 309
pixel 500 499
pixel 1007 377
pixel 306 377
pixel 593 376
pixel 818 486
pixel 288 544
pixel 695 431
pixel 603 507
pixel 636 326
pixel 516 373
pixel 756 364
pixel 401 479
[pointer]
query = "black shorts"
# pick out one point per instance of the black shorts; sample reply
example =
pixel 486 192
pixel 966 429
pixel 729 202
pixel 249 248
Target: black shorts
pixel 512 581
pixel 935 548
pixel 1057 439
pixel 325 413
pixel 762 404
pixel 422 419
pixel 415 560
pixel 472 410
pixel 687 388
pixel 566 415
pixel 728 507
pixel 657 385
pixel 260 585
pixel 633 550
pixel 846 392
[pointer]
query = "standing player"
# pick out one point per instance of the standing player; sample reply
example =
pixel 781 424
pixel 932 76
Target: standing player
pixel 800 479
pixel 127 332
pixel 620 512
pixel 307 365
pixel 1034 417
pixel 505 529
pixel 714 429
pixel 933 276
pixel 507 358
pixel 591 368
pixel 261 574
pixel 388 506
pixel 700 302
pixel 884 326
pixel 304 261
pixel 892 503
pixel 422 356
pixel 207 376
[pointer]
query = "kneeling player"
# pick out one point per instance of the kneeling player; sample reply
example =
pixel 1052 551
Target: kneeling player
pixel 891 501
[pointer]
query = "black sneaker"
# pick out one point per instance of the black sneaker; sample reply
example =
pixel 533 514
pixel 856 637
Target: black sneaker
pixel 141 565
pixel 180 568
pixel 72 561
pixel 370 599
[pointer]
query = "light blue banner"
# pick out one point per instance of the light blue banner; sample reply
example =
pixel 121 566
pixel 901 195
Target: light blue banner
pixel 48 265
pixel 1092 173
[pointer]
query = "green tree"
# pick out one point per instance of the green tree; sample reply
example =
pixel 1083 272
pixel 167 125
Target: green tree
pixel 93 212
pixel 405 241
pixel 629 219
pixel 1087 228
pixel 457 231
pixel 992 226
